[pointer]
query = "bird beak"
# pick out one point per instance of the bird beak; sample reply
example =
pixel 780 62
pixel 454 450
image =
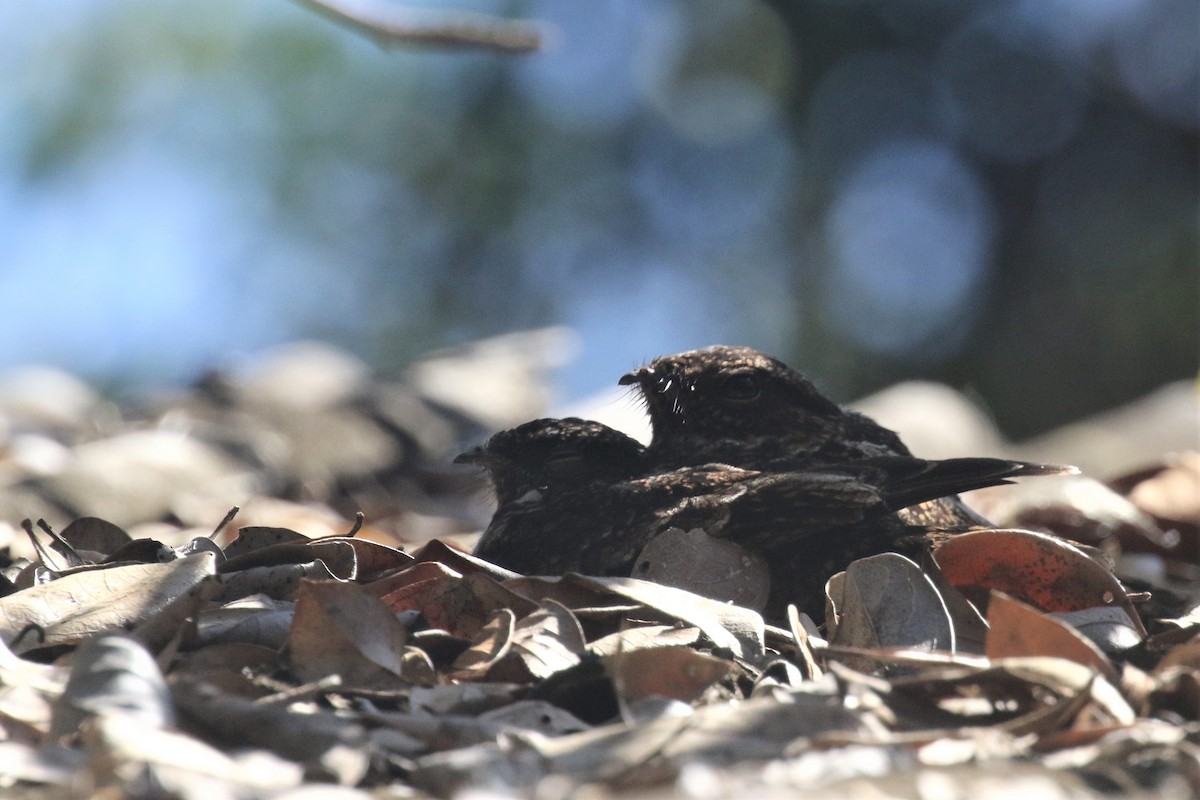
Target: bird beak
pixel 475 455
pixel 637 376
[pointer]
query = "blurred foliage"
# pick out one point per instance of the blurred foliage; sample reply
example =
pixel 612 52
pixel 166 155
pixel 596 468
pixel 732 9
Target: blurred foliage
pixel 1001 195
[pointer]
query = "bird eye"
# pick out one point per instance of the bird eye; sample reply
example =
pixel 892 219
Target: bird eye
pixel 741 387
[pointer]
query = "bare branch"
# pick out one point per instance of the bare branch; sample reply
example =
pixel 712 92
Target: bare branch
pixel 405 26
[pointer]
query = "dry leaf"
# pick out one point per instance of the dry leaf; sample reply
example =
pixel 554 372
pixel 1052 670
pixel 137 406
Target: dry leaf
pixel 676 673
pixel 233 656
pixel 887 601
pixel 95 534
pixel 372 560
pixel 1041 570
pixel 320 741
pixel 534 715
pixel 705 565
pixel 647 754
pixel 970 628
pixel 112 676
pixel 255 537
pixel 337 554
pixel 279 582
pixel 739 630
pixel 41 767
pixel 459 604
pixel 1017 629
pixel 492 644
pixel 1108 627
pixel 256 619
pixel 172 622
pixel 462 698
pixel 594 602
pixel 643 637
pixel 1074 507
pixel 544 642
pixel 132 758
pixel 78 606
pixel 1011 694
pixel 462 563
pixel 341 629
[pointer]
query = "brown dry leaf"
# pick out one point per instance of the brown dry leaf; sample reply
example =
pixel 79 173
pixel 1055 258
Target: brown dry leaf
pixel 35 767
pixel 173 621
pixel 279 582
pixel 552 621
pixel 705 565
pixel 321 741
pixel 372 559
pixel 1074 507
pixel 233 656
pixel 152 551
pixel 95 534
pixel 647 754
pixel 460 562
pixel 644 637
pixel 584 601
pixel 1012 695
pixel 1018 629
pixel 492 644
pixel 1185 655
pixel 463 698
pixel 887 601
pixel 1108 627
pixel 737 629
pixel 129 758
pixel 417 667
pixel 338 555
pixel 1170 494
pixel 257 619
pixel 1174 690
pixel 545 642
pixel 27 690
pixel 438 732
pixel 419 572
pixel 803 631
pixel 535 715
pixel 25 715
pixel 341 629
pixel 112 676
pixel 256 537
pixel 77 606
pixel 1041 570
pixel 459 604
pixel 676 673
pixel 970 628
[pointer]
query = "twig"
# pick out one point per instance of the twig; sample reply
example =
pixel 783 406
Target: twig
pixel 358 523
pixel 61 545
pixel 293 693
pixel 30 627
pixel 233 512
pixel 409 26
pixel 44 555
pixel 906 656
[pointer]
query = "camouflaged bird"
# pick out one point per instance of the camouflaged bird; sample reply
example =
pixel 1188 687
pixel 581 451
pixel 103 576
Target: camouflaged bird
pixel 574 495
pixel 741 407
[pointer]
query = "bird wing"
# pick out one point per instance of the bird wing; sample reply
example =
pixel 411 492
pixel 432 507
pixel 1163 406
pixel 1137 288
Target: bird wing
pixel 774 508
pixel 905 481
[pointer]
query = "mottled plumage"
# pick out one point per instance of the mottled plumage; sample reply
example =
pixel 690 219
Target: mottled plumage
pixel 741 407
pixel 576 496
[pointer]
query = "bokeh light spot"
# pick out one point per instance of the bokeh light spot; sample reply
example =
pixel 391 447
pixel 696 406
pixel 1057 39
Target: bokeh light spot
pixel 909 235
